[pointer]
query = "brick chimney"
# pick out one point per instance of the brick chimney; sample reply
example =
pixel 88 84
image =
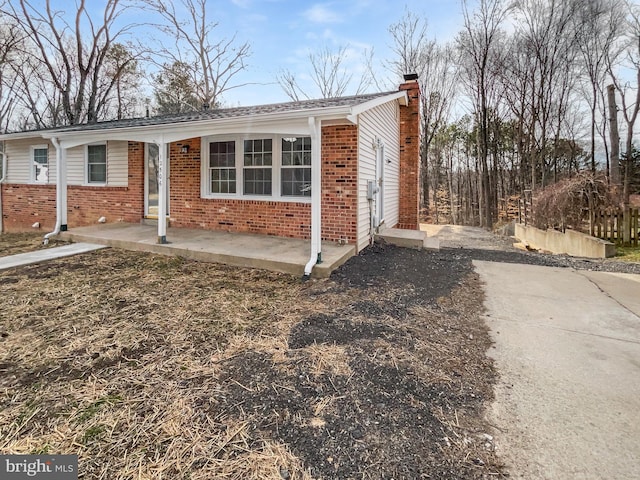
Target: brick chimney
pixel 410 155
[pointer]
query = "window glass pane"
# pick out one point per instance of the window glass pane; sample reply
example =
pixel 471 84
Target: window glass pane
pixel 97 173
pixel 97 163
pixel 40 155
pixel 222 154
pixel 296 182
pixel 41 164
pixel 257 181
pixel 223 180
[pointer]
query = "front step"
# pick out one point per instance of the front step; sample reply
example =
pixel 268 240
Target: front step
pixel 408 238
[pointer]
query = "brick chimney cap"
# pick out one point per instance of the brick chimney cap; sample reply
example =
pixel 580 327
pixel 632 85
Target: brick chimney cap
pixel 410 76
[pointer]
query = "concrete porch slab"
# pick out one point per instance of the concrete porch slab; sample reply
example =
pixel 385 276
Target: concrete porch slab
pixel 287 255
pixel 408 238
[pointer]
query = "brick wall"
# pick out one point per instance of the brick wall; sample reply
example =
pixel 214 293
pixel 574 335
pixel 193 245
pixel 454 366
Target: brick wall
pixel 340 183
pixel 24 205
pixel 410 158
pixel 287 219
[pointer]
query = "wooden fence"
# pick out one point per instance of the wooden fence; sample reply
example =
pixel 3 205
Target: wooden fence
pixel 609 224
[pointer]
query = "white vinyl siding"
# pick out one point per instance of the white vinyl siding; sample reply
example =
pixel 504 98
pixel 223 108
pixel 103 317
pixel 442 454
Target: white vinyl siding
pixel 382 123
pixel 20 160
pixel 117 165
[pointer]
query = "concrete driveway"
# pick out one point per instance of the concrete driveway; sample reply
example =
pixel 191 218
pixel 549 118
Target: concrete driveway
pixel 567 349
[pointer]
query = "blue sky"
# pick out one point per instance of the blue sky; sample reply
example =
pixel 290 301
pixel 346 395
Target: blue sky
pixel 283 32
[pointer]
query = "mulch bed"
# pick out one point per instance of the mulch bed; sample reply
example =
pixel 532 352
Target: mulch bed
pixel 155 367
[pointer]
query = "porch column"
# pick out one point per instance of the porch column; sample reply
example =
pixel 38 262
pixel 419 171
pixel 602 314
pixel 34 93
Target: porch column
pixel 316 196
pixel 162 191
pixel 61 156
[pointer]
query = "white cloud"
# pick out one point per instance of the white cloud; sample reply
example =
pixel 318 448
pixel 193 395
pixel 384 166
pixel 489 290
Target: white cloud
pixel 242 3
pixel 321 13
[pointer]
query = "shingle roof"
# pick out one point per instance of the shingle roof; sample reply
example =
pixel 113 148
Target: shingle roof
pixel 222 113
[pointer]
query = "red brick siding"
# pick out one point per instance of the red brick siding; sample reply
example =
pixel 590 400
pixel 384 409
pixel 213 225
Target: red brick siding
pixel 340 183
pixel 410 158
pixel 23 205
pixel 285 219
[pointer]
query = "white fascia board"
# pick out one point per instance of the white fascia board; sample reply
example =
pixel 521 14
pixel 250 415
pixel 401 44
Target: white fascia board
pixel 295 122
pixel 356 110
pixel 23 136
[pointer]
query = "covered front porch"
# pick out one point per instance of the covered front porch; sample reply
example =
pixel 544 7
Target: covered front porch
pixel 288 255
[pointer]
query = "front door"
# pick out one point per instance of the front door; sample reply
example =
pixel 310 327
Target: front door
pixel 151 181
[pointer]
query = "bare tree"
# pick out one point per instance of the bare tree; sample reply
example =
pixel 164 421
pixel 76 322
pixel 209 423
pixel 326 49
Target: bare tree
pixel 479 48
pixel 10 39
pixel 69 59
pixel 629 93
pixel 212 63
pixel 597 26
pixel 544 32
pixel 410 45
pixel 123 65
pixel 329 73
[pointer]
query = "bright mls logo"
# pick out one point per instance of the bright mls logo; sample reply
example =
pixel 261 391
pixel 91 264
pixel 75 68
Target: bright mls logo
pixel 50 467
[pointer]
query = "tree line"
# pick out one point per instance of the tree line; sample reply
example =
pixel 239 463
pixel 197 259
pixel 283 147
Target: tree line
pixel 520 100
pixel 523 97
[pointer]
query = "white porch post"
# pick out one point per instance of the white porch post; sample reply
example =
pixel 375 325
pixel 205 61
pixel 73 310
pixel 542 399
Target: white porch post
pixel 62 187
pixel 316 196
pixel 162 190
pixel 61 190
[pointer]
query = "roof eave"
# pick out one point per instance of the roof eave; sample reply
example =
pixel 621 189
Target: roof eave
pixel 197 127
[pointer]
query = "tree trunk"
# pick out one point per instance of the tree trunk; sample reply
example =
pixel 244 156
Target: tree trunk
pixel 614 156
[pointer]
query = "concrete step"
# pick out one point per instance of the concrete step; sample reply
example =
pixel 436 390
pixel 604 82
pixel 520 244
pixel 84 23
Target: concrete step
pixel 408 239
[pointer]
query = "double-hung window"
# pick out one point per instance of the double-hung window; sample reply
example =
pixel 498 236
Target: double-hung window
pixel 276 167
pixel 296 167
pixel 222 167
pixel 257 172
pixel 40 165
pixel 97 163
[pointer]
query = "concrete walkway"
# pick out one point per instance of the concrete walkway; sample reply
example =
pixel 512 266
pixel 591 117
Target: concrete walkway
pixel 38 256
pixel 567 349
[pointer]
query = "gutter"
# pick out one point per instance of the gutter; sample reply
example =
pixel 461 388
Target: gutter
pixel 2 178
pixel 316 211
pixel 60 195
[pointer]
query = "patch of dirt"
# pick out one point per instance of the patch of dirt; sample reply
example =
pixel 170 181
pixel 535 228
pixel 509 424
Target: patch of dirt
pixel 149 366
pixel 14 243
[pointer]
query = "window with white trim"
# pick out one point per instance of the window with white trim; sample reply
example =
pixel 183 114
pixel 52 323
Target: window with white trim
pixel 40 164
pixel 257 173
pixel 296 167
pixel 222 167
pixel 97 163
pixel 276 167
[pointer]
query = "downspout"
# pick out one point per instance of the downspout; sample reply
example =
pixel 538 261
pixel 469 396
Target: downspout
pixel 316 197
pixel 4 175
pixel 60 194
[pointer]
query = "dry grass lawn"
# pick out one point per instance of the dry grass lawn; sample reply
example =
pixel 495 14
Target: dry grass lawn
pixel 150 367
pixel 14 243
